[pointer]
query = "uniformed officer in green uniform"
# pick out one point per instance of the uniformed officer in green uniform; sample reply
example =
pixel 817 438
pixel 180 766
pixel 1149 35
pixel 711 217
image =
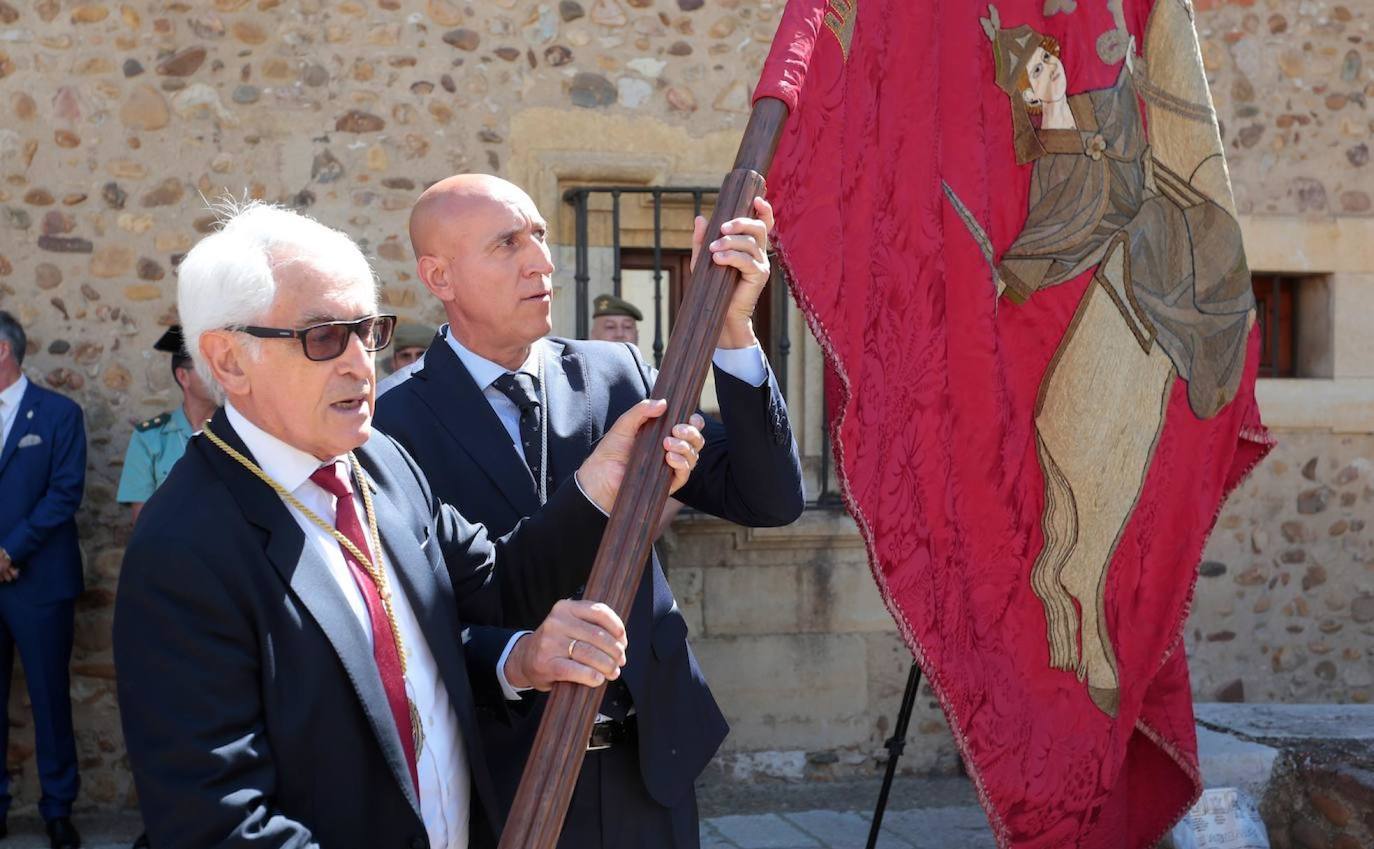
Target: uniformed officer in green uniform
pixel 408 344
pixel 615 320
pixel 159 442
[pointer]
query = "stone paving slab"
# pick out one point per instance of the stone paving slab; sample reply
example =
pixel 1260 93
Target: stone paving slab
pixel 717 797
pixel 942 828
pixel 922 828
pixel 1228 761
pixel 843 829
pixel 760 831
pixel 838 829
pixel 1290 722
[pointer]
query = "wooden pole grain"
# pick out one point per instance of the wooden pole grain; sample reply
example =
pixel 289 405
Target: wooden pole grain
pixel 541 803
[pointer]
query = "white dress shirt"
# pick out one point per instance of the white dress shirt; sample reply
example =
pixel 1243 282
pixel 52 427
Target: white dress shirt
pixel 746 364
pixel 9 407
pixel 445 785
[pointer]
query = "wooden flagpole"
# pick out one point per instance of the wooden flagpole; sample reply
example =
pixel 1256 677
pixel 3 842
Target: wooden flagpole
pixel 541 803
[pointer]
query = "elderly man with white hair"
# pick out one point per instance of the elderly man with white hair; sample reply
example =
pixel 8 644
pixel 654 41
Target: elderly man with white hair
pixel 303 634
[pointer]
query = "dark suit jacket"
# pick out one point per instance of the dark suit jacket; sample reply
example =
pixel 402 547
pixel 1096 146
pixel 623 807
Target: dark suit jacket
pixel 42 476
pixel 252 709
pixel 752 476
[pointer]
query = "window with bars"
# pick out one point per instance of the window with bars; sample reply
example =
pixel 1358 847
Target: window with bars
pixel 644 270
pixel 652 278
pixel 626 202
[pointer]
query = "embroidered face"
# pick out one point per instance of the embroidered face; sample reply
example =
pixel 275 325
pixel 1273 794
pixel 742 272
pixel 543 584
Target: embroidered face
pixel 1043 79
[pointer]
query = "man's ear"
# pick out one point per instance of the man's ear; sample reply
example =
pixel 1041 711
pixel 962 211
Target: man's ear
pixel 434 273
pixel 1029 97
pixel 224 354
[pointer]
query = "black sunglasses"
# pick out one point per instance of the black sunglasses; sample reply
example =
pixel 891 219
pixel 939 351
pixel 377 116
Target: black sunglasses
pixel 329 339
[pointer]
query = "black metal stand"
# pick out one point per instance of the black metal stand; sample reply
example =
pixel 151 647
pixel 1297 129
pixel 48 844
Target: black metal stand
pixel 896 744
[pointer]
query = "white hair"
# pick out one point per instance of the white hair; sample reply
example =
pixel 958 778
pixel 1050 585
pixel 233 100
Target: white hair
pixel 227 278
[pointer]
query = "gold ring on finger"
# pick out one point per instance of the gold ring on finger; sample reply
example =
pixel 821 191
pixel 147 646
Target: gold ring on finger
pixel 572 644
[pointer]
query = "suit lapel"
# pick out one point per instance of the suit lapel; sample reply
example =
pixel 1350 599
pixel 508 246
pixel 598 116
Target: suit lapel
pixel 23 422
pixel 571 441
pixel 570 410
pixel 431 599
pixel 451 393
pixel 304 569
pixel 434 607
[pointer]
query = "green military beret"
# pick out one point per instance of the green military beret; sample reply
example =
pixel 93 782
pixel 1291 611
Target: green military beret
pixel 611 305
pixel 411 334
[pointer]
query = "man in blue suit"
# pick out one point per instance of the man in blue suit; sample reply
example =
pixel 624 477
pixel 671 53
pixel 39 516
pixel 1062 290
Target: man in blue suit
pixel 42 474
pixel 498 416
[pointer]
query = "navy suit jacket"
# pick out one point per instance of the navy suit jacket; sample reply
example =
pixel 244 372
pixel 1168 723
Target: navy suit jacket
pixel 751 476
pixel 252 708
pixel 42 476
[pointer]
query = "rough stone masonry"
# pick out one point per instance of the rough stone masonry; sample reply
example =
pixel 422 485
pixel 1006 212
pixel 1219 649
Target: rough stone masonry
pixel 118 118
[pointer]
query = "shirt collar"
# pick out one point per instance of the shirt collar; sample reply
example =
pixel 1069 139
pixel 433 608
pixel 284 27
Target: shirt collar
pixel 9 399
pixel 483 370
pixel 285 464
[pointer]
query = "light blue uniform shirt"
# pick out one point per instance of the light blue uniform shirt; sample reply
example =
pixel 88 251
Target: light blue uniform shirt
pixel 154 448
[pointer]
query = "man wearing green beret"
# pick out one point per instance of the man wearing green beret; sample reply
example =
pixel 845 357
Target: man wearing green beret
pixel 615 320
pixel 157 443
pixel 411 340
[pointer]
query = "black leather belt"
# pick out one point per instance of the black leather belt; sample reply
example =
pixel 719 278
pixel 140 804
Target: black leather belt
pixel 612 733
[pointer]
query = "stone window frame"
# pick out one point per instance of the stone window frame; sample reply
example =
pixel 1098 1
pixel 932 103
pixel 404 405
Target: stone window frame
pixel 1334 388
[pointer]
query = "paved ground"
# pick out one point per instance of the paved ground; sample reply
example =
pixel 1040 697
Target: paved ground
pixel 923 814
pixel 940 813
pixel 1240 745
pixel 924 828
pixel 98 832
pixel 921 828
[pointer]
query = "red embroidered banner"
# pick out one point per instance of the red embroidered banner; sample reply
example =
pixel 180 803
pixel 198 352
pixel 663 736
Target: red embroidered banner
pixel 1011 228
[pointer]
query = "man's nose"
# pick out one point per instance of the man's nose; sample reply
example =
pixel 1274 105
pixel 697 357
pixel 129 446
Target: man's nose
pixel 356 360
pixel 541 262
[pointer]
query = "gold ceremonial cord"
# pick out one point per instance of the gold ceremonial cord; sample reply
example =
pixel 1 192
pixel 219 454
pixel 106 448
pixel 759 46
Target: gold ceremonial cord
pixel 378 576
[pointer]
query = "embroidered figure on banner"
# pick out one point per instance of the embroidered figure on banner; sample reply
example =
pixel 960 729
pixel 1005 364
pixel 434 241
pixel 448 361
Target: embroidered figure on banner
pixel 1170 295
pixel 839 18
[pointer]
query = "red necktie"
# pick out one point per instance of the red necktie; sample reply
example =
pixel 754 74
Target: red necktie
pixel 334 480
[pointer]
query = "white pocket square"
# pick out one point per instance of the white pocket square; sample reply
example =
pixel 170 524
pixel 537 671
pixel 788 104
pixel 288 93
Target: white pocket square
pixel 30 440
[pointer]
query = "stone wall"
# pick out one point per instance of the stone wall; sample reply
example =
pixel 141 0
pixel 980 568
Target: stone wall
pixel 117 116
pixel 799 649
pixel 1292 83
pixel 1284 610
